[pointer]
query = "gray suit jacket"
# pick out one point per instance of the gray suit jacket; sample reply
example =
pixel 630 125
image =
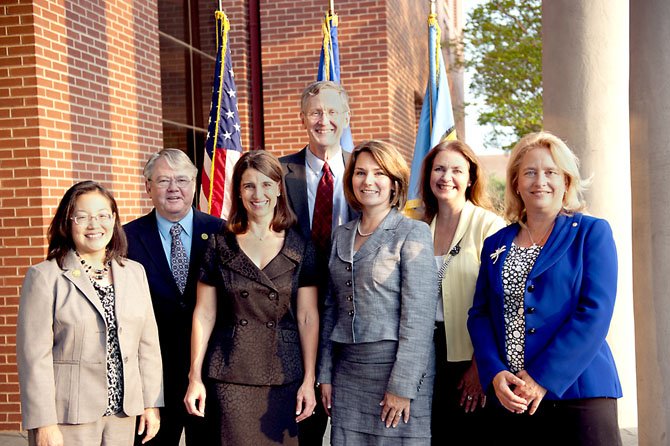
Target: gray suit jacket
pixel 61 344
pixel 387 290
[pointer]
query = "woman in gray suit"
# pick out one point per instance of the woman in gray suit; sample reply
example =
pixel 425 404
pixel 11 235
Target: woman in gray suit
pixel 87 343
pixel 377 360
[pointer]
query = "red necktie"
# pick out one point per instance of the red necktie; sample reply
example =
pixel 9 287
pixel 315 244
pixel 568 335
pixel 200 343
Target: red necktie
pixel 322 220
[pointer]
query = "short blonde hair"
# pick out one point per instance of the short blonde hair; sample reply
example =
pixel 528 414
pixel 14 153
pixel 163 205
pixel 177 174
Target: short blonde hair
pixel 566 161
pixel 392 164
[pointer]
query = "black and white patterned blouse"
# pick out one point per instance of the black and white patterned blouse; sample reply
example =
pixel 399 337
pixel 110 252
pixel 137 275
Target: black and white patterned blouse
pixel 517 265
pixel 114 364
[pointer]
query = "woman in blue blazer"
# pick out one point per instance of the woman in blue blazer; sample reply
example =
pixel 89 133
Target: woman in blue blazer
pixel 543 304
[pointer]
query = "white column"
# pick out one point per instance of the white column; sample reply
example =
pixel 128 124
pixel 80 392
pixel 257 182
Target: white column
pixel 650 153
pixel 585 81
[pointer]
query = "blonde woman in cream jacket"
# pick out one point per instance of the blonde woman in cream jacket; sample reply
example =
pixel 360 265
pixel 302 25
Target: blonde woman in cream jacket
pixel 453 190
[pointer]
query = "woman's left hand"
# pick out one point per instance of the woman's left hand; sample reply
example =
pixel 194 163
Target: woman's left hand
pixel 531 392
pixel 305 401
pixel 471 389
pixel 150 422
pixel 395 408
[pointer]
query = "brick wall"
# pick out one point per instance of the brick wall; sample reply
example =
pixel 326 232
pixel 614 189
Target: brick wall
pixel 80 90
pixel 382 53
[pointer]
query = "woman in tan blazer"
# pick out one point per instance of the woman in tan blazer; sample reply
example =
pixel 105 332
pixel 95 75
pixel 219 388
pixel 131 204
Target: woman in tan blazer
pixel 87 344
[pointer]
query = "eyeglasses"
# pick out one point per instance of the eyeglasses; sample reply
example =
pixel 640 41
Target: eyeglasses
pixel 103 218
pixel 315 115
pixel 164 182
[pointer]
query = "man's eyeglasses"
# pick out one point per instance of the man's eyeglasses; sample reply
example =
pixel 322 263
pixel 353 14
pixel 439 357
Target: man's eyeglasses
pixel 315 115
pixel 82 219
pixel 164 182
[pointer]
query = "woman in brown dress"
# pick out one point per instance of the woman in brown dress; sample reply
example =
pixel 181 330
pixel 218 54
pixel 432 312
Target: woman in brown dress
pixel 256 323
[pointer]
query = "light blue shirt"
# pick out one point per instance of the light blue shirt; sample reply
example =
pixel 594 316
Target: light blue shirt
pixel 313 174
pixel 186 236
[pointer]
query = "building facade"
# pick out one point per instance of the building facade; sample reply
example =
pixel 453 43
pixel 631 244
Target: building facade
pixel 90 88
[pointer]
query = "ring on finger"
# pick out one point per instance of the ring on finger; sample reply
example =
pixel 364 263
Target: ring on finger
pixel 469 397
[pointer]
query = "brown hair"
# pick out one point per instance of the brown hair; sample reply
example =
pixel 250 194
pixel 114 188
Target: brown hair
pixel 59 234
pixel 476 192
pixel 392 164
pixel 566 161
pixel 268 165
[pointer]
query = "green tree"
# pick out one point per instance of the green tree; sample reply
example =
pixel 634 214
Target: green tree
pixel 503 47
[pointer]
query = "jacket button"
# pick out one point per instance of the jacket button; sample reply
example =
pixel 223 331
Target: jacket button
pixel 530 310
pixel 350 298
pixel 531 288
pixel 531 331
pixel 348 267
pixel 272 295
pixel 270 324
pixel 182 305
pixel 243 322
pixel 348 283
pixel 351 313
pixel 244 294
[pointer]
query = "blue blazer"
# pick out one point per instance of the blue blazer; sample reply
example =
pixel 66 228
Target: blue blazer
pixel 568 304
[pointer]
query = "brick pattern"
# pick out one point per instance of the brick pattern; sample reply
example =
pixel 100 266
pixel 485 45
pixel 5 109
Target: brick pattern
pixel 383 67
pixel 80 90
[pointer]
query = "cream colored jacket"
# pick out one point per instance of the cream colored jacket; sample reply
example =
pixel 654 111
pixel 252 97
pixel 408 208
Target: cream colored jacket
pixel 460 278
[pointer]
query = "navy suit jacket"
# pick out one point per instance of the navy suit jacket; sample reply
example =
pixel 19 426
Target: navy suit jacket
pixel 568 304
pixel 173 310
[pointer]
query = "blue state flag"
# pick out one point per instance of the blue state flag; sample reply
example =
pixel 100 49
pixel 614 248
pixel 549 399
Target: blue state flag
pixel 329 65
pixel 437 118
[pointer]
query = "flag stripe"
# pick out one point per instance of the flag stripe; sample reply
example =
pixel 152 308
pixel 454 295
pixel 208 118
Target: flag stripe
pixel 223 145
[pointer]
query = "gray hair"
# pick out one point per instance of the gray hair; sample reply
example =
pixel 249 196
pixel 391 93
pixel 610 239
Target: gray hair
pixel 175 158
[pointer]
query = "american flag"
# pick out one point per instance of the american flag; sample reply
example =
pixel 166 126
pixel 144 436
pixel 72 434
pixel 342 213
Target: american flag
pixel 223 146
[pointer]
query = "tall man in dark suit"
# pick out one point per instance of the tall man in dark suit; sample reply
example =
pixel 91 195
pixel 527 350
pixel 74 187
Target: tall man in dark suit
pixel 313 178
pixel 169 242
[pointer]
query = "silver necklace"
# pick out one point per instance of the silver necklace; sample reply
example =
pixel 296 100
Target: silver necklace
pixel 543 237
pixel 358 229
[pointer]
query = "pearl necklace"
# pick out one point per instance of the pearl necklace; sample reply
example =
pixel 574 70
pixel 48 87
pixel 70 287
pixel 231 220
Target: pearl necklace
pixel 94 273
pixel 358 229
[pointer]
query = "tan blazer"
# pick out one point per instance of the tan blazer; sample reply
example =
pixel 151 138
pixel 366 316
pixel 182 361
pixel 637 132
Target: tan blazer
pixel 460 278
pixel 61 344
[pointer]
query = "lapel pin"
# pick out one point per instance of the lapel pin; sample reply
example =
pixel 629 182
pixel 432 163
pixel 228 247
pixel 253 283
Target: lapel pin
pixel 574 225
pixel 204 236
pixel 76 273
pixel 494 256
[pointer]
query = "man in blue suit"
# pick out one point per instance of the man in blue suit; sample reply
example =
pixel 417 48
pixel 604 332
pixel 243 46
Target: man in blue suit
pixel 169 242
pixel 324 113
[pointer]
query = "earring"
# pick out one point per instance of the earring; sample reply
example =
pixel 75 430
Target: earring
pixel 517 192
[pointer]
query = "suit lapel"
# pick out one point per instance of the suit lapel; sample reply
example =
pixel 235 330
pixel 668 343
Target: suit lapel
pixel 233 258
pixel 151 242
pixel 345 241
pixel 199 239
pixel 381 236
pixel 558 243
pixel 76 274
pixel 296 188
pixel 120 288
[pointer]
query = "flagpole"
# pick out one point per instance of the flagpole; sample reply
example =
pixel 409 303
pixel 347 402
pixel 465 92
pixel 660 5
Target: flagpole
pixel 331 11
pixel 220 6
pixel 432 6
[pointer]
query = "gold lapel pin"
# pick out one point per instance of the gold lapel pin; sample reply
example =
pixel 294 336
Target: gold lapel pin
pixel 76 273
pixel 204 236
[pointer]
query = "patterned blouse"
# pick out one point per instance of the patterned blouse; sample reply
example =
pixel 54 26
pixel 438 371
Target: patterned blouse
pixel 518 264
pixel 114 364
